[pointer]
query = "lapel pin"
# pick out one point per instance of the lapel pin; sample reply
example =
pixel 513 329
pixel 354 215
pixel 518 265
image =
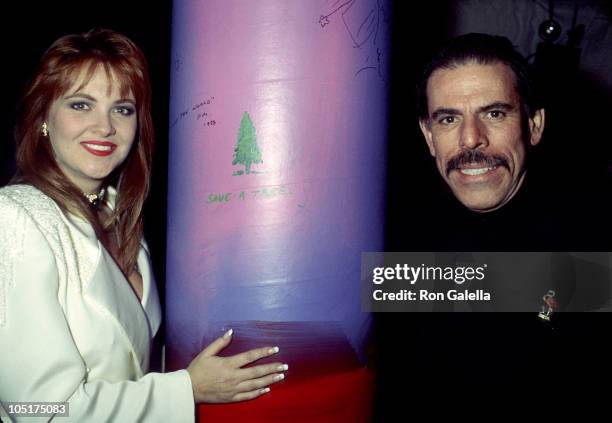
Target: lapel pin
pixel 549 307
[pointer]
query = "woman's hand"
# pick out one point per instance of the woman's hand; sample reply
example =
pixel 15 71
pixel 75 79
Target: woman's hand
pixel 222 379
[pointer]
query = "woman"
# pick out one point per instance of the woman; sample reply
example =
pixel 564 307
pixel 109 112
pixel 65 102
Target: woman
pixel 78 304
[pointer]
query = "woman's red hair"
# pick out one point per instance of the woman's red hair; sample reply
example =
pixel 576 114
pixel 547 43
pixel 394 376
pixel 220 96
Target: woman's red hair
pixel 57 72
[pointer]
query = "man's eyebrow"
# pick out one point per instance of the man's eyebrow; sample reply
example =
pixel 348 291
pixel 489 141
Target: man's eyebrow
pixel 498 105
pixel 444 112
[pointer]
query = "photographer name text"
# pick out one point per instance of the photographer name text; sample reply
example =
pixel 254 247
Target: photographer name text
pixel 426 295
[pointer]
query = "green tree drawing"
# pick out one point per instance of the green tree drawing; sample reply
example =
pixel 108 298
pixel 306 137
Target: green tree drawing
pixel 247 151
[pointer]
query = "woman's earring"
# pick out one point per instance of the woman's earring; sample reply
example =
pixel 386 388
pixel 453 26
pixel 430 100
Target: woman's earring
pixel 44 130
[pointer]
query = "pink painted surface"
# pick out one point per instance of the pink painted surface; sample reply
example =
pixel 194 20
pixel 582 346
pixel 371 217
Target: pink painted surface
pixel 279 247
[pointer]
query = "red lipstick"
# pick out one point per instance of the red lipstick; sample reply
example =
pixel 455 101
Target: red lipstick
pixel 99 148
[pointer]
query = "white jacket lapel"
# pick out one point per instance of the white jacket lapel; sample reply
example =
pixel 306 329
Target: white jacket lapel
pixel 110 289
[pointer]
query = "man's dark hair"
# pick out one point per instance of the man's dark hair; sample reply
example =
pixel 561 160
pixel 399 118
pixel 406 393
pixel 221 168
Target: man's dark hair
pixel 482 49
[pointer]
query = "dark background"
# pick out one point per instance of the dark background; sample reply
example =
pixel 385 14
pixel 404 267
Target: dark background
pixel 573 163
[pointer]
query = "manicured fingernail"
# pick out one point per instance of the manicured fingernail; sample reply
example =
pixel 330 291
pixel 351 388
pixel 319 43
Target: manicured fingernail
pixel 228 333
pixel 279 377
pixel 274 350
pixel 283 367
pixel 265 390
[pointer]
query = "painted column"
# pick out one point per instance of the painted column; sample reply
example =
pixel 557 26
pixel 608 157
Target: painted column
pixel 276 185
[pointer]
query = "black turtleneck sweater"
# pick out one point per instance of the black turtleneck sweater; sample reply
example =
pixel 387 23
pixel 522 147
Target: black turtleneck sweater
pixel 472 354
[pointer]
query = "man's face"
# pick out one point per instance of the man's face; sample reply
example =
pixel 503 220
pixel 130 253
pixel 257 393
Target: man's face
pixel 474 132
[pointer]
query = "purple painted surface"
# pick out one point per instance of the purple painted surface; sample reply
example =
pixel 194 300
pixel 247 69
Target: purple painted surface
pixel 283 243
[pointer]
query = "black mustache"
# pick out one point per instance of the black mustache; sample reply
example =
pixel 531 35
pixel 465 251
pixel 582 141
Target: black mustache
pixel 477 157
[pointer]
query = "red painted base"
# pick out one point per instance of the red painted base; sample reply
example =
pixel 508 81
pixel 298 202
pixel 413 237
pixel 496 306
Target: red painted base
pixel 332 398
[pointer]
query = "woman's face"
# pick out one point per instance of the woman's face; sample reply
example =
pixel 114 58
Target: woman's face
pixel 92 129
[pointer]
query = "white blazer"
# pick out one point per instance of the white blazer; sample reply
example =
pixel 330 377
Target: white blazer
pixel 71 327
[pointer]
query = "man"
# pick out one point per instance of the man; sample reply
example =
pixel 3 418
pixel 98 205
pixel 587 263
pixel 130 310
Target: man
pixel 479 118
